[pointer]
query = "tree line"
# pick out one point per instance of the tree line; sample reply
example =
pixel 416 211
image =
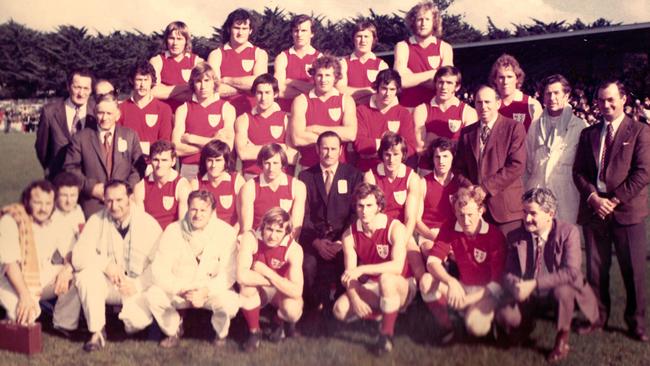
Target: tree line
pixel 35 63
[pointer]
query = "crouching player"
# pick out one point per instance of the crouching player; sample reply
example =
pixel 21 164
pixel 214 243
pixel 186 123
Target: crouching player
pixel 195 268
pixel 374 250
pixel 269 270
pixel 479 251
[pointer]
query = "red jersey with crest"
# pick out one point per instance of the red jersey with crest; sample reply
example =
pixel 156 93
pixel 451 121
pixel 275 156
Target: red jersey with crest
pixel 371 126
pixel 161 202
pixel 437 204
pixel 323 113
pixel 225 196
pixel 420 59
pixel 274 257
pixel 395 191
pixel 362 74
pixel 480 259
pixel 262 131
pixel 518 110
pixel 238 64
pixel 151 123
pixel 297 69
pixel 176 73
pixel 266 198
pixel 446 123
pixel 377 248
pixel 203 121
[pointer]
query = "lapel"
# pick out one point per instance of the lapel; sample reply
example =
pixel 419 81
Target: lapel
pixel 119 135
pixel 99 149
pixel 622 134
pixel 524 250
pixel 495 136
pixel 320 183
pixel 473 138
pixel 595 142
pixel 60 118
pixel 550 248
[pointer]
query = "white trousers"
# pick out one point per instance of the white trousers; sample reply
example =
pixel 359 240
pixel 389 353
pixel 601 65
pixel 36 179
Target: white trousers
pixel 96 290
pixel 66 310
pixel 163 306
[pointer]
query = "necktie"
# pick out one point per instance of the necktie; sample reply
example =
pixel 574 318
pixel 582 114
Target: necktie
pixel 604 159
pixel 108 150
pixel 538 256
pixel 329 178
pixel 76 121
pixel 485 133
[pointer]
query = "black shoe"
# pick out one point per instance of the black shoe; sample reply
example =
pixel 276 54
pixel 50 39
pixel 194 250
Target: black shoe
pixel 96 342
pixel 384 344
pixel 639 335
pixel 253 342
pixel 278 333
pixel 290 330
pixel 64 333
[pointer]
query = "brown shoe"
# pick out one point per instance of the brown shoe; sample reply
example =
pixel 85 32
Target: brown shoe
pixel 170 342
pixel 561 349
pixel 591 328
pixel 219 342
pixel 96 342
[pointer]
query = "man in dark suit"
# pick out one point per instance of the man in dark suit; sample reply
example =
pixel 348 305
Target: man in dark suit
pixel 328 212
pixel 106 151
pixel 492 155
pixel 543 270
pixel 612 172
pixel 62 119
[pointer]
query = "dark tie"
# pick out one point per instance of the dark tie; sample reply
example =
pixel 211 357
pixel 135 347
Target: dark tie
pixel 76 121
pixel 604 159
pixel 538 256
pixel 485 133
pixel 108 150
pixel 329 178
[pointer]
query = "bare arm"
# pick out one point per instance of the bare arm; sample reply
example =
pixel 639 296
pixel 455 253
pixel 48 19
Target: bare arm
pixel 246 198
pixel 409 78
pixel 245 274
pixel 244 83
pixel 183 189
pixel 298 123
pixel 245 148
pixel 291 286
pixel 298 207
pixel 182 149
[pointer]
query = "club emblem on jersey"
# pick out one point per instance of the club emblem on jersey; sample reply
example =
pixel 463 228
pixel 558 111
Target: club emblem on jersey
pixel 382 250
pixel 185 73
pixel 307 67
pixel 519 117
pixel 335 113
pixel 151 119
pixel 393 126
pixel 454 125
pixel 372 75
pixel 479 255
pixel 168 202
pixel 214 119
pixel 276 263
pixel 276 131
pixel 226 201
pixel 247 65
pixel 286 204
pixel 434 61
pixel 400 196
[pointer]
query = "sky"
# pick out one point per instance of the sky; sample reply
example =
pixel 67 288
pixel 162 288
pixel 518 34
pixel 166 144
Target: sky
pixel 201 15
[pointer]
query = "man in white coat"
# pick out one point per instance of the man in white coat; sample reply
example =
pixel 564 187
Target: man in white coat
pixel 113 256
pixel 195 267
pixel 551 147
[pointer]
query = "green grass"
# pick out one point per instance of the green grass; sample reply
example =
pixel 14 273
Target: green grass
pixel 324 341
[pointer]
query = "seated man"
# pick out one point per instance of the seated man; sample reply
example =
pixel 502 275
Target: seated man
pixel 68 215
pixel 552 276
pixel 113 257
pixel 272 188
pixel 376 271
pixel 479 252
pixel 163 193
pixel 265 124
pixel 195 268
pixel 29 246
pixel 269 270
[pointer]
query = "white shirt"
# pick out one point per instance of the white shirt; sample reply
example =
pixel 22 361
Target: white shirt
pixel 600 185
pixel 332 168
pixel 70 109
pixel 70 224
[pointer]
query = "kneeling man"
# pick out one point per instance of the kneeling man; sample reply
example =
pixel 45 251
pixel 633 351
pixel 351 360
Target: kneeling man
pixel 195 268
pixel 374 250
pixel 269 270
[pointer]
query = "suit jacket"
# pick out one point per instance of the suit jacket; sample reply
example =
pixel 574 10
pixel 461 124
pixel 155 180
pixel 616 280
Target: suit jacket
pixel 502 166
pixel 53 135
pixel 562 257
pixel 85 158
pixel 627 174
pixel 333 213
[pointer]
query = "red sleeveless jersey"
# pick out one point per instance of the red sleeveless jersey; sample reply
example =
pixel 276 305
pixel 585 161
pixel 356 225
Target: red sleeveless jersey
pixel 445 124
pixel 151 123
pixel 518 110
pixel 324 113
pixel 371 126
pixel 161 202
pixel 362 75
pixel 266 198
pixel 374 249
pixel 437 206
pixel 395 192
pixel 238 64
pixel 420 59
pixel 225 197
pixel 176 73
pixel 297 69
pixel 274 257
pixel 264 130
pixel 203 121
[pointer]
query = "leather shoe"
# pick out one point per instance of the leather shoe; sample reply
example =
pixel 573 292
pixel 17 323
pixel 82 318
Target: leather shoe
pixel 561 349
pixel 96 342
pixel 591 328
pixel 639 335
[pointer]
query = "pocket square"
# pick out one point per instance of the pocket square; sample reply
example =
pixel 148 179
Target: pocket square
pixel 626 143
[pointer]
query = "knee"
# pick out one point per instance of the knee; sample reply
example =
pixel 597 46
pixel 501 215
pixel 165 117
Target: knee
pixel 387 284
pixel 341 308
pixel 509 316
pixel 478 324
pixel 564 293
pixel 292 309
pixel 88 278
pixel 154 296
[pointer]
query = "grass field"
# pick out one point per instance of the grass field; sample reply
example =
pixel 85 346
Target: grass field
pixel 324 341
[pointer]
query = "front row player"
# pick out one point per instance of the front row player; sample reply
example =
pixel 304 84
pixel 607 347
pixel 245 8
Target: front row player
pixel 269 270
pixel 479 251
pixel 374 248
